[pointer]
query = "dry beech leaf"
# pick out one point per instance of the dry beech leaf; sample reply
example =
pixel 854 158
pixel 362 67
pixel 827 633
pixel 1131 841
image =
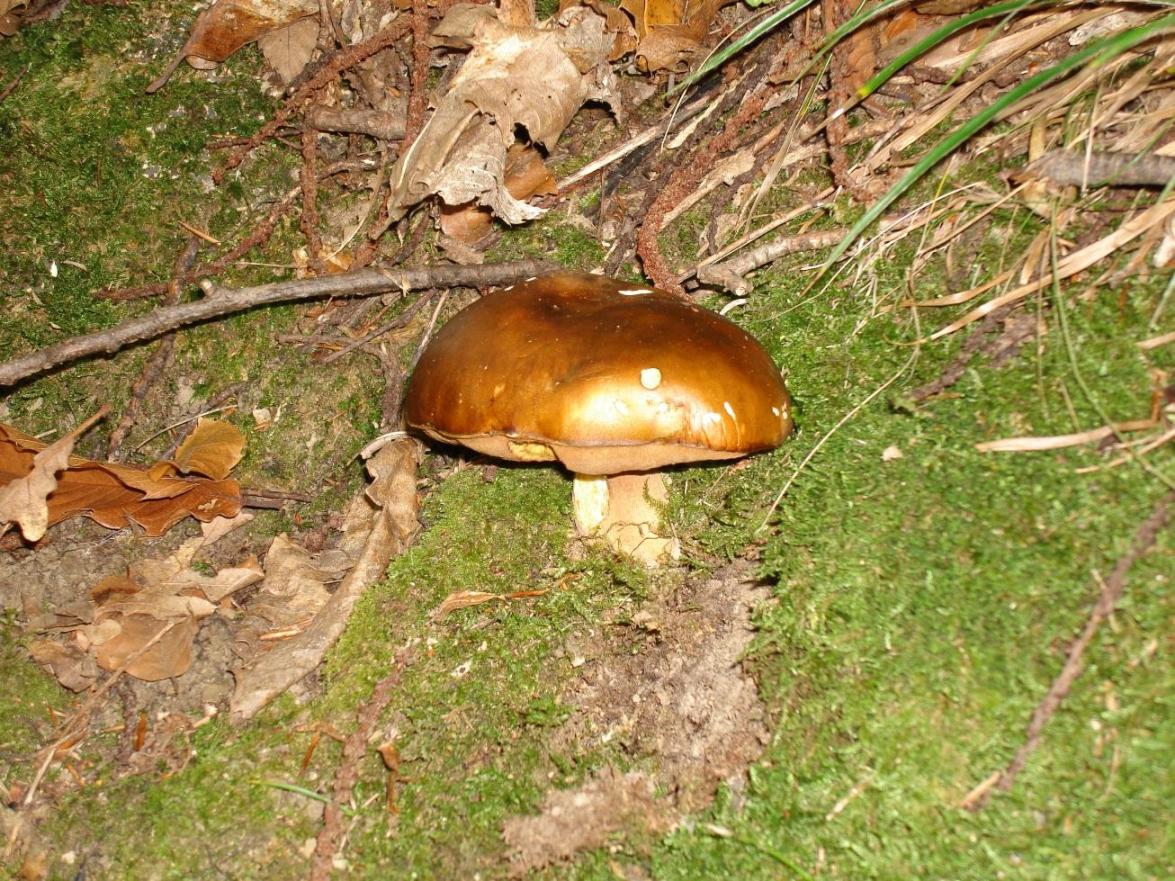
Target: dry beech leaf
pixel 289 49
pixel 532 78
pixel 115 495
pixel 213 449
pixel 227 25
pixel 670 32
pixel 70 665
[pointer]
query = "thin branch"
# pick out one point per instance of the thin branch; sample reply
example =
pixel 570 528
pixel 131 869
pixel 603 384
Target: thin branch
pixel 227 301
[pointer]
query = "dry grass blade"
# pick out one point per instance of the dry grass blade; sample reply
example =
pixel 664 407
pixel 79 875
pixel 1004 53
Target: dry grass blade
pixel 1060 441
pixel 464 599
pixel 1069 266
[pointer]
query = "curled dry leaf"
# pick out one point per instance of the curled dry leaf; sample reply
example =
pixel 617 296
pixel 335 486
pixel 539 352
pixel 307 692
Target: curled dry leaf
pixel 528 78
pixel 115 495
pixel 669 32
pixel 213 449
pixel 526 176
pixel 23 499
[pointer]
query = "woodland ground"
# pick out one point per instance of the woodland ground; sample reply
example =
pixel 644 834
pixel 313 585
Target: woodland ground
pixel 914 608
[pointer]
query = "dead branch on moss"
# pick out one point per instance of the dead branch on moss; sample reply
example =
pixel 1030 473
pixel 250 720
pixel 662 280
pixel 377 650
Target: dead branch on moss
pixel 225 301
pixel 731 275
pixel 1111 593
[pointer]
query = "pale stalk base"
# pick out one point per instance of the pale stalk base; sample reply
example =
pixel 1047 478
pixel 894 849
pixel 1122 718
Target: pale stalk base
pixel 622 510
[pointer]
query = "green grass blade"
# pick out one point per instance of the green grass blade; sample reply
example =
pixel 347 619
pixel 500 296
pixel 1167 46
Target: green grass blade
pixel 720 57
pixel 1096 53
pixel 944 33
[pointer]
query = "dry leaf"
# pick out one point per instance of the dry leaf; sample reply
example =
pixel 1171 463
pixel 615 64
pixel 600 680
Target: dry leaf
pixel 288 50
pixel 526 175
pixel 115 495
pixel 213 449
pixel 227 25
pixel 529 78
pixel 669 32
pixel 151 648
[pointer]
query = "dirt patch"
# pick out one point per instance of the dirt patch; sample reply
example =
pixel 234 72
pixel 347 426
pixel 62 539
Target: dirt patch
pixel 669 687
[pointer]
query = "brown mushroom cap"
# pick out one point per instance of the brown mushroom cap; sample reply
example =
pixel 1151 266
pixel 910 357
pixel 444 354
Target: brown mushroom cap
pixel 603 376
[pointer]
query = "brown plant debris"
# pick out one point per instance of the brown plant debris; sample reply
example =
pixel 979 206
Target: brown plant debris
pixel 681 704
pixel 384 525
pixel 194 484
pixel 516 76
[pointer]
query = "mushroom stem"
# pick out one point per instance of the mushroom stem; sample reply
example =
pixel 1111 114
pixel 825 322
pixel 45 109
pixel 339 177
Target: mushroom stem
pixel 623 509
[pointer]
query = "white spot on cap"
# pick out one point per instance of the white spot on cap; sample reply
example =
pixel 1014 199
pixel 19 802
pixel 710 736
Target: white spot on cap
pixel 711 418
pixel 508 287
pixel 775 410
pixel 650 378
pixel 532 278
pixel 729 409
pixel 634 292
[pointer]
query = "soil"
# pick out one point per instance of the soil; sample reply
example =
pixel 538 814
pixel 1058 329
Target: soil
pixel 668 687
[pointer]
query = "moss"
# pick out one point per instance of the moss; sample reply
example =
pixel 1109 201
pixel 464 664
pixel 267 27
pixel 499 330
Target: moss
pixel 922 603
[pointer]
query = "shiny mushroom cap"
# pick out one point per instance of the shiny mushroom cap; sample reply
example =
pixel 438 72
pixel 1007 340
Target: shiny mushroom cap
pixel 603 376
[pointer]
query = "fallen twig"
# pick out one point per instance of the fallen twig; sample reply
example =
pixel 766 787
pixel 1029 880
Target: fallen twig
pixel 1100 169
pixel 226 301
pixel 1111 593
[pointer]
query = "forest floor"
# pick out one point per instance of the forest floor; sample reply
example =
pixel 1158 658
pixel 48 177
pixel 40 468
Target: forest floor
pixel 815 690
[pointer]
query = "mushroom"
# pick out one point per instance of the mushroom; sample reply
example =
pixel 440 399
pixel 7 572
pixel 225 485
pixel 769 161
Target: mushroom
pixel 615 381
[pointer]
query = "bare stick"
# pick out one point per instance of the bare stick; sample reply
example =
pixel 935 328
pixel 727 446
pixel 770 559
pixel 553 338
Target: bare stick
pixel 1111 593
pixel 226 301
pixel 376 123
pixel 1099 169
